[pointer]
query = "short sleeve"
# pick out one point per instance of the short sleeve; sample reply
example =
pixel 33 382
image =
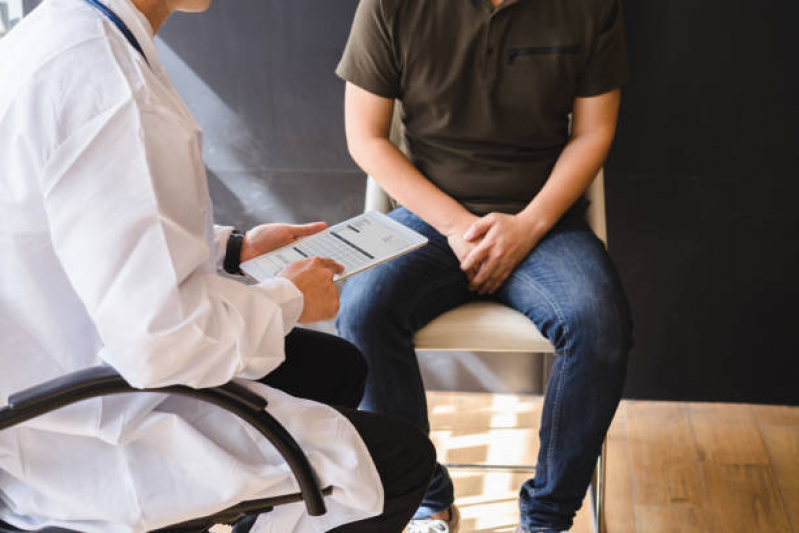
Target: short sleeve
pixel 370 60
pixel 606 67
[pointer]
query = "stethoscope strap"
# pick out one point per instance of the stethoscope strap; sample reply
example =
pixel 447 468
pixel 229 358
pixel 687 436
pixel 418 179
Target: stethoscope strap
pixel 102 8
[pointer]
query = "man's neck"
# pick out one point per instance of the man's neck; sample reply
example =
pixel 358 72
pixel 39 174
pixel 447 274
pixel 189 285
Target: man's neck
pixel 156 11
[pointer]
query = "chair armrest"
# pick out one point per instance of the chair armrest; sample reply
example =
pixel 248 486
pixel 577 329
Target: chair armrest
pixel 233 397
pixel 51 394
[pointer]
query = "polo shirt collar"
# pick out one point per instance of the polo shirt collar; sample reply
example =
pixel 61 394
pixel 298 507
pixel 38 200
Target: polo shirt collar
pixel 490 7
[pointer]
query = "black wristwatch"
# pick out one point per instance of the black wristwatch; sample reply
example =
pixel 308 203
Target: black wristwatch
pixel 233 253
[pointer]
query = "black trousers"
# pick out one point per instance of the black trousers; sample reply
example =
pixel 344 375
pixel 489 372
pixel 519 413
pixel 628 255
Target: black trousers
pixel 330 370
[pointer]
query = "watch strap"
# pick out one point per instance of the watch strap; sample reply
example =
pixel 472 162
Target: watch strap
pixel 233 253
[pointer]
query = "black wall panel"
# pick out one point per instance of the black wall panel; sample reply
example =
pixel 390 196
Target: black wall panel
pixel 259 77
pixel 702 192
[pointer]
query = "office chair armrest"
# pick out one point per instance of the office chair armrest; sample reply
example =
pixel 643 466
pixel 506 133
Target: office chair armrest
pixel 62 390
pixel 233 397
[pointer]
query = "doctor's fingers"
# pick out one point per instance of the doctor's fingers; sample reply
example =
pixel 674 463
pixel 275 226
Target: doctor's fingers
pixel 329 264
pixel 304 230
pixel 324 299
pixel 321 266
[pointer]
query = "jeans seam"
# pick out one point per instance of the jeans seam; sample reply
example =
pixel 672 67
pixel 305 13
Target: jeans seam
pixel 557 400
pixel 558 312
pixel 556 415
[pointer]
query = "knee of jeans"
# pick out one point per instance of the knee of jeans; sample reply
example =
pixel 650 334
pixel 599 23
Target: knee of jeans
pixel 605 331
pixel 363 311
pixel 355 314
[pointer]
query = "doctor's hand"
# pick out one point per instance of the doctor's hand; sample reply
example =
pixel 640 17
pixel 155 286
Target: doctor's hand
pixel 314 278
pixel 268 237
pixel 503 241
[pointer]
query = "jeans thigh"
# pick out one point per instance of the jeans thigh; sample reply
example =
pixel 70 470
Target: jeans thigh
pixel 405 293
pixel 570 289
pixel 567 282
pixel 381 310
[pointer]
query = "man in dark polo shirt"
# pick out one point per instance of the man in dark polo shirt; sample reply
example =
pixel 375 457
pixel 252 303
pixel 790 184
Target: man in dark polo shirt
pixel 508 110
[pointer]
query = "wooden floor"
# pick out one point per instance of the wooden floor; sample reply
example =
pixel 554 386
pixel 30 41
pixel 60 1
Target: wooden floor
pixel 672 467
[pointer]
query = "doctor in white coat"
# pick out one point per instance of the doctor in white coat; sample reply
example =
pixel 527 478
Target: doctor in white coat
pixel 109 255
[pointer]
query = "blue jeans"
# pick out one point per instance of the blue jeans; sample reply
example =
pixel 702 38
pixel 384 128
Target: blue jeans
pixel 568 287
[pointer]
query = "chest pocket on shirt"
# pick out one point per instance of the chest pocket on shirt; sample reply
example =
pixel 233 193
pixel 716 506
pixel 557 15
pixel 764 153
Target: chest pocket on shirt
pixel 515 54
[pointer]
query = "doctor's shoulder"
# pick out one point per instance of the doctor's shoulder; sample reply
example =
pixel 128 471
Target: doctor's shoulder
pixel 61 72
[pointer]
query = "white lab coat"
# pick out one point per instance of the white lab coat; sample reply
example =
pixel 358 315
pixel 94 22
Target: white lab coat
pixel 108 255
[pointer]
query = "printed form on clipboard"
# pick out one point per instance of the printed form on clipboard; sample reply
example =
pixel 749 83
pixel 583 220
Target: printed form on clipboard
pixel 356 244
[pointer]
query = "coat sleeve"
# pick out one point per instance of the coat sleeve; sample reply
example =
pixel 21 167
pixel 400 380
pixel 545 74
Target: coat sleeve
pixel 130 221
pixel 221 236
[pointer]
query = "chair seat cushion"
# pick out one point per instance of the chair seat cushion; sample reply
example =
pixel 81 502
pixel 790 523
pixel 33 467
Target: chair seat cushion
pixel 482 327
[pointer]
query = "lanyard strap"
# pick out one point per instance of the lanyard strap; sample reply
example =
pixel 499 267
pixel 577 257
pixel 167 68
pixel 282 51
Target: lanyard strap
pixel 102 8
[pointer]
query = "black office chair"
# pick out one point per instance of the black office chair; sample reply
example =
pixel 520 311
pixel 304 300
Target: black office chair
pixel 102 381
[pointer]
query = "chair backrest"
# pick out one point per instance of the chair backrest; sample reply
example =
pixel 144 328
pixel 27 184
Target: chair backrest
pixel 378 200
pixel 595 215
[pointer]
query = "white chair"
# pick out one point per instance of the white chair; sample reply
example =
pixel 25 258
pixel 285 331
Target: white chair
pixel 493 327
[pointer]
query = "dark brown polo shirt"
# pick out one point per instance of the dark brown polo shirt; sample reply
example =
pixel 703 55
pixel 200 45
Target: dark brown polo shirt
pixel 486 93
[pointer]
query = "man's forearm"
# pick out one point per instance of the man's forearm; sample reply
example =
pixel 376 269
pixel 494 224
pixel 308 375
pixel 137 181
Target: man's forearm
pixel 382 160
pixel 574 171
pixel 593 128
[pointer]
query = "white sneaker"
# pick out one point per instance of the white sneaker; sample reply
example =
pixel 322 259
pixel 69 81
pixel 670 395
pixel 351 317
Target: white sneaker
pixel 436 525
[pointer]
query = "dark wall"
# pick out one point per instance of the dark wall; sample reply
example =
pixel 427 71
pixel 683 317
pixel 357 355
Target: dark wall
pixel 702 192
pixel 701 184
pixel 259 78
